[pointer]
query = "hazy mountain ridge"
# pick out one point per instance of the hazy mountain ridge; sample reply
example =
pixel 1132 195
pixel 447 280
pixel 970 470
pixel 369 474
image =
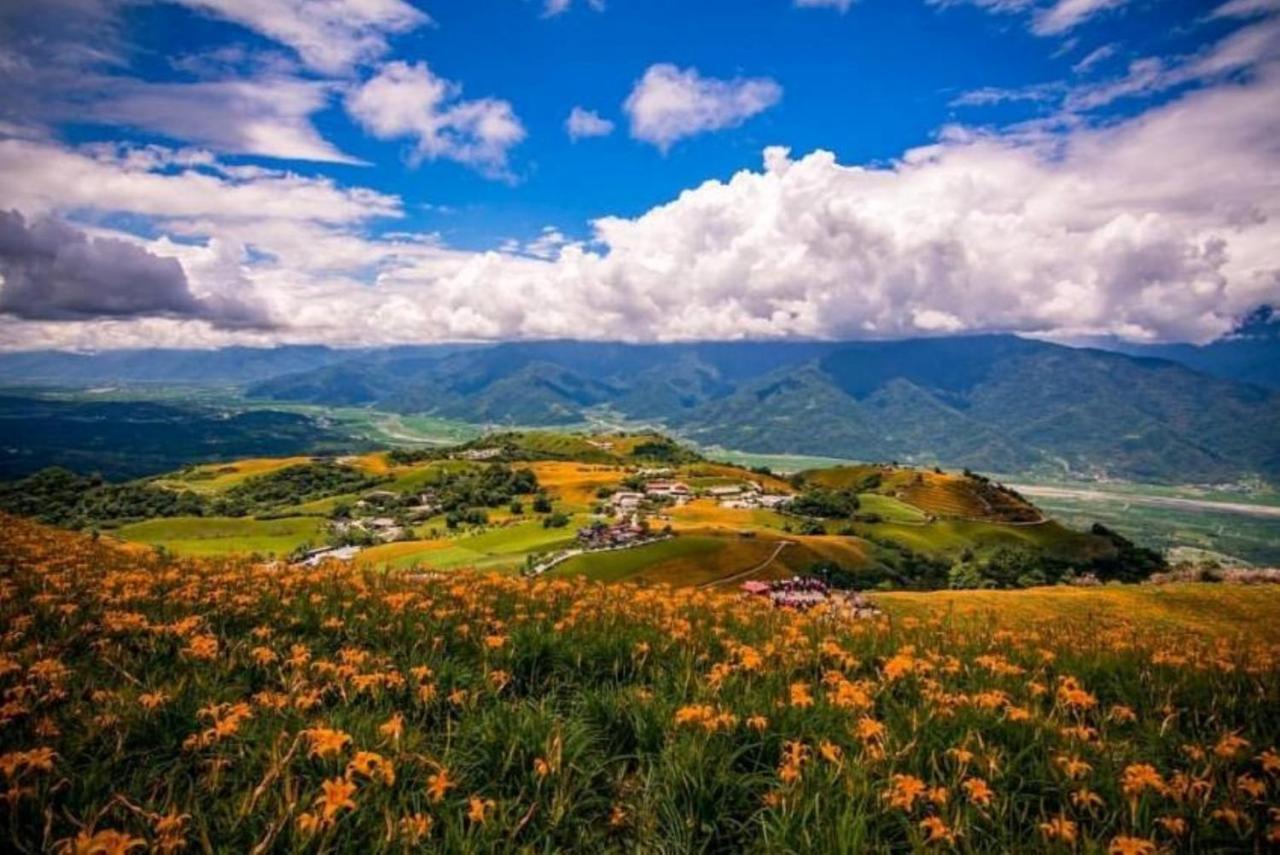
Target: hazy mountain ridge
pixel 992 403
pixel 989 402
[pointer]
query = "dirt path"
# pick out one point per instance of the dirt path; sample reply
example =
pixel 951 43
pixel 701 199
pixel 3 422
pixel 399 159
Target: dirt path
pixel 751 570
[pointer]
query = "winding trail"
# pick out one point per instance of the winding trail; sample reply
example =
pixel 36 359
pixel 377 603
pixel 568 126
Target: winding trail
pixel 751 570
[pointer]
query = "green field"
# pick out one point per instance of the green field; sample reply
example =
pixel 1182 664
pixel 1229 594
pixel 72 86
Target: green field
pixel 627 563
pixel 206 536
pixel 1233 536
pixel 949 537
pixel 889 509
pixel 503 547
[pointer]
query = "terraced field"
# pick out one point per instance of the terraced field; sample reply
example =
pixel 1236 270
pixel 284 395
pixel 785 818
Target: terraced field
pixel 216 478
pixel 708 513
pixel 688 560
pixel 947 495
pixel 943 538
pixel 576 483
pixel 890 509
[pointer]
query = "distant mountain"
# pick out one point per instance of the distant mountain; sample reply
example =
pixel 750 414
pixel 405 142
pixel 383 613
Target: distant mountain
pixel 1250 354
pixel 228 366
pixel 995 403
pixel 231 365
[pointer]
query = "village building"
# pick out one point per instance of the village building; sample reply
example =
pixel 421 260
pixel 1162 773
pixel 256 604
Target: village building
pixel 674 489
pixel 331 553
pixel 626 502
pixel 478 454
pixel 618 534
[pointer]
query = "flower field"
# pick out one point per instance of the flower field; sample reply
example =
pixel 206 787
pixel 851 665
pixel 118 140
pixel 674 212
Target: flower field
pixel 219 705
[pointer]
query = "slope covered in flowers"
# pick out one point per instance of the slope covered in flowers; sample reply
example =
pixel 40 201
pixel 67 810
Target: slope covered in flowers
pixel 239 707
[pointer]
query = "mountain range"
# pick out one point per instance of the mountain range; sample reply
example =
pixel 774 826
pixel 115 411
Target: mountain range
pixel 996 403
pixel 993 403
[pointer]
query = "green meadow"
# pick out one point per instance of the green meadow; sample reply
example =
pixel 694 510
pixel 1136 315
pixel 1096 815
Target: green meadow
pixel 210 536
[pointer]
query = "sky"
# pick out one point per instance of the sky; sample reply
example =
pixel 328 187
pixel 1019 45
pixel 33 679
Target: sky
pixel 200 173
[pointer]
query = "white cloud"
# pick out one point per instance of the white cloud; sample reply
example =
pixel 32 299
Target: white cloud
pixel 841 5
pixel 1052 20
pixel 586 123
pixel 1246 8
pixel 669 104
pixel 1000 7
pixel 1067 14
pixel 269 117
pixel 408 100
pixel 989 95
pixel 1159 226
pixel 552 8
pixel 330 36
pixel 1242 49
pixel 41 177
pixel 1093 57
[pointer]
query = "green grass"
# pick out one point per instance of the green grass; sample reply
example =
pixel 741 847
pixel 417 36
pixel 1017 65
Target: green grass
pixel 209 536
pixel 948 537
pixel 496 548
pixel 622 564
pixel 889 509
pixel 579 717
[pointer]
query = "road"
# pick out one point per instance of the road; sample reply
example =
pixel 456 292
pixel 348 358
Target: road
pixel 1180 503
pixel 751 571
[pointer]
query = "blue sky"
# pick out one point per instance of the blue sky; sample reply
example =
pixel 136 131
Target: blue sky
pixel 420 150
pixel 866 84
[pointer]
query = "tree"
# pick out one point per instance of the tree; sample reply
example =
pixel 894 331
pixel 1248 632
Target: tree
pixel 541 504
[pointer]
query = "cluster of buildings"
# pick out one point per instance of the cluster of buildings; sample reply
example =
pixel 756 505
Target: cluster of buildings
pixel 316 557
pixel 806 592
pixel 372 514
pixel 477 454
pixel 385 529
pixel 621 533
pixel 748 496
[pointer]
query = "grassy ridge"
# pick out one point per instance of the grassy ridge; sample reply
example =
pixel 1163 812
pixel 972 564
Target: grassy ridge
pixel 222 704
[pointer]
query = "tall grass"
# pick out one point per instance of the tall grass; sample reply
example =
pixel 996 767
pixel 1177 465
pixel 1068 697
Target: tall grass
pixel 219 705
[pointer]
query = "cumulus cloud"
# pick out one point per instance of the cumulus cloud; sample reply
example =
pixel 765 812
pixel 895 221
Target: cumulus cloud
pixel 330 36
pixel 1162 225
pixel 669 103
pixel 586 123
pixel 409 100
pixel 55 272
